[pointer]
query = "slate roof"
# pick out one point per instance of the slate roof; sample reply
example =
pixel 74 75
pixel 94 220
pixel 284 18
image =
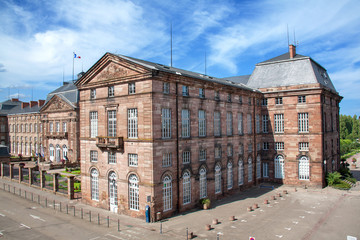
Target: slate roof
pixel 178 71
pixel 68 92
pixel 25 110
pixel 7 106
pixel 283 71
pixel 4 151
pixel 239 79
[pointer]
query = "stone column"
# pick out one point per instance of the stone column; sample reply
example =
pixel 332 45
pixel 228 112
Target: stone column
pixel 71 187
pixel 30 176
pixel 11 166
pixel 56 182
pixel 20 173
pixel 2 169
pixel 42 179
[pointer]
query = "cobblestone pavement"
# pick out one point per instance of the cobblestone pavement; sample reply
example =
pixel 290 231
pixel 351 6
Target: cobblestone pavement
pixel 301 214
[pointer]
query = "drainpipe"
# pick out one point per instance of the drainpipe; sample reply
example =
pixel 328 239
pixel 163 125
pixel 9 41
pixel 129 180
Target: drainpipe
pixel 254 137
pixel 177 150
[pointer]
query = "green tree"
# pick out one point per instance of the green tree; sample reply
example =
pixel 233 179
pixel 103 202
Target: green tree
pixel 355 127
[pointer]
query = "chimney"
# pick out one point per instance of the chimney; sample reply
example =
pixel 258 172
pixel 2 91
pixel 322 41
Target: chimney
pixel 33 103
pixel 24 105
pixel 41 102
pixel 292 50
pixel 14 99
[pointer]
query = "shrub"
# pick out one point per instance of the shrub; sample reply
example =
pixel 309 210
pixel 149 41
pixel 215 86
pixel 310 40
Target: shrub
pixel 345 172
pixel 342 185
pixel 205 201
pixel 333 178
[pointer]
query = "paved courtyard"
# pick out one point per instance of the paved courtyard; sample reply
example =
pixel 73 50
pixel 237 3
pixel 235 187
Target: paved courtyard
pixel 302 214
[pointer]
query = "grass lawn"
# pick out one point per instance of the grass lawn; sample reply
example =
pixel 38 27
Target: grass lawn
pixel 75 172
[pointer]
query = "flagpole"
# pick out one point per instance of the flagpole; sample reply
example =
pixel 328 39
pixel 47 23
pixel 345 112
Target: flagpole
pixel 73 65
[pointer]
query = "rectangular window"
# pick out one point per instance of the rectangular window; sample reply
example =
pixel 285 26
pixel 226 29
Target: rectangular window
pixel 249 101
pixel 92 93
pixel 93 124
pixel 217 152
pixel 166 87
pixel 185 91
pixel 111 92
pixel 131 88
pixel 279 123
pixel 64 126
pixel 303 146
pixel 93 156
pixel 279 146
pixel 249 124
pixel 217 95
pixel 240 124
pixel 301 99
pixel 265 170
pixel 303 122
pixel 201 93
pixel 257 123
pixel 229 97
pixel 264 102
pixel 265 146
pixel 278 101
pixel 250 147
pixel 112 123
pixel 166 161
pixel 202 155
pixel 217 124
pixel 133 160
pixel 111 157
pixel 202 123
pixel 166 123
pixel 240 100
pixel 186 157
pixel 57 125
pixel 265 122
pixel 185 123
pixel 229 150
pixel 229 125
pixel 51 124
pixel 132 123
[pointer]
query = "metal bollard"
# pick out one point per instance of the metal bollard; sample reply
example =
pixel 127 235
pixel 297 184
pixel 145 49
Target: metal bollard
pixel 118 225
pixel 89 216
pixel 60 206
pixel 25 194
pixel 32 197
pixel 98 219
pixel 54 204
pixel 187 234
pixel 108 221
pixel 38 199
pixel 74 211
pixel 67 209
pixel 46 202
pixel 81 213
pixel 20 192
pixel 160 227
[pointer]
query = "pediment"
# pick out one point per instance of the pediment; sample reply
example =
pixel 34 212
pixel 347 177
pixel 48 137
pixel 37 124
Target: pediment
pixel 56 104
pixel 111 67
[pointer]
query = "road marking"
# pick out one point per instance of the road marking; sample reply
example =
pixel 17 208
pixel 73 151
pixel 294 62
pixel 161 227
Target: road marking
pixel 2 215
pixel 279 236
pixel 301 216
pixel 313 207
pixel 243 220
pixel 282 198
pixel 110 235
pixel 309 212
pixel 261 210
pixel 33 207
pixel 276 202
pixel 254 215
pixel 36 217
pixel 288 229
pixel 270 206
pixel 23 225
pixel 295 222
pixel 233 227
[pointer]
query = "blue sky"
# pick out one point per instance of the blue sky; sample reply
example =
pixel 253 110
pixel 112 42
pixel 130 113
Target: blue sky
pixel 38 38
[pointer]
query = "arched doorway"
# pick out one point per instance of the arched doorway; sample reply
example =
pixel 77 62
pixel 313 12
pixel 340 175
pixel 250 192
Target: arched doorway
pixel 113 192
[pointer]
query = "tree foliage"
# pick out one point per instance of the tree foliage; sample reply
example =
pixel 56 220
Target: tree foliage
pixel 349 134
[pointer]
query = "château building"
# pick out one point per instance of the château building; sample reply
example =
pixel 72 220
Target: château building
pixel 165 137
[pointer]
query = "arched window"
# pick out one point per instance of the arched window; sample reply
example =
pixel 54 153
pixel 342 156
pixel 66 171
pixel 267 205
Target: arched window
pixel 36 148
pixel 218 179
pixel 279 166
pixel 241 172
pixel 58 153
pixel 304 168
pixel 113 200
pixel 229 175
pixel 186 187
pixel 26 149
pixel 94 175
pixel 65 151
pixel 250 170
pixel 30 148
pixel 133 192
pixel 258 166
pixel 167 193
pixel 30 128
pixel 203 183
pixel 22 148
pixel 52 152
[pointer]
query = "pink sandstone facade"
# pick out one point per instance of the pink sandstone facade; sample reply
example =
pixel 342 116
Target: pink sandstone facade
pixel 164 137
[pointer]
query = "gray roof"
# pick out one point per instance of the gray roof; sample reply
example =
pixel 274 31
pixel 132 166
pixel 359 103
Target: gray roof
pixel 7 106
pixel 25 110
pixel 178 71
pixel 239 79
pixel 4 151
pixel 68 92
pixel 283 71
